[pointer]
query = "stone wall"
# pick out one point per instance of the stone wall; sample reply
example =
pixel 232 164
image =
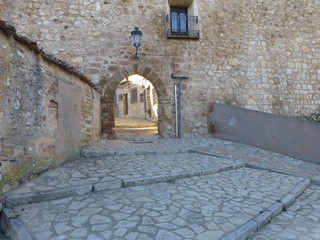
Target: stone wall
pixel 48 110
pixel 260 55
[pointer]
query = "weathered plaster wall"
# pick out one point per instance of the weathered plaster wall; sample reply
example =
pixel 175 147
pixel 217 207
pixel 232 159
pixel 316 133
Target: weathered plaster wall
pixel 46 112
pixel 297 138
pixel 260 55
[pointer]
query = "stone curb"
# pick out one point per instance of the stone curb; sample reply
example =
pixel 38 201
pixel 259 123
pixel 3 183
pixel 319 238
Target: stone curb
pixel 250 165
pixel 100 154
pixel 146 180
pixel 12 226
pixel 249 228
pixel 205 153
pixel 313 181
pixel 49 195
pixel 175 176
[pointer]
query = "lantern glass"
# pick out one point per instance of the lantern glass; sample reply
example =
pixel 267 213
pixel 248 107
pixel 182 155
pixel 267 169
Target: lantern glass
pixel 136 36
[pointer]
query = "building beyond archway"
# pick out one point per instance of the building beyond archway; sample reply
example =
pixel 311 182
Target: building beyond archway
pixel 165 106
pixel 136 97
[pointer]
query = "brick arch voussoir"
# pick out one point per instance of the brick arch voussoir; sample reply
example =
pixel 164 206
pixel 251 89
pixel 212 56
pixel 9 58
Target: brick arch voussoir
pixel 155 79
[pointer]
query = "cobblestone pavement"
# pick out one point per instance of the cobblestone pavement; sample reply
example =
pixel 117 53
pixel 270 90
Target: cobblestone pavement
pixel 198 188
pixel 301 221
pixel 204 207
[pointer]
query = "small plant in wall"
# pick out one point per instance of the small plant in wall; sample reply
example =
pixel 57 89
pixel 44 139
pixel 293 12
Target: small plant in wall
pixel 313 117
pixel 149 112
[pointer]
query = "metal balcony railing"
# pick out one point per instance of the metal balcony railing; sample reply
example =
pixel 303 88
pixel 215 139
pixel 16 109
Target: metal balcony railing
pixel 184 26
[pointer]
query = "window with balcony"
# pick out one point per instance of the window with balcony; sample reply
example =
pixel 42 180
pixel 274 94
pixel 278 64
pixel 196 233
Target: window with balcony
pixel 180 24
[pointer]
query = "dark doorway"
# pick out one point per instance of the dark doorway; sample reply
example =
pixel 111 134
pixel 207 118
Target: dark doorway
pixel 125 104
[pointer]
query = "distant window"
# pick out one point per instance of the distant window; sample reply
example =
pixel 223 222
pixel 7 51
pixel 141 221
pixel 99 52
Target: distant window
pixel 134 95
pixel 141 97
pixel 120 97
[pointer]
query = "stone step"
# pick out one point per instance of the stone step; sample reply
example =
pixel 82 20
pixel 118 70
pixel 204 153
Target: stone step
pixel 81 189
pixel 137 125
pixel 134 123
pixel 136 130
pixel 146 138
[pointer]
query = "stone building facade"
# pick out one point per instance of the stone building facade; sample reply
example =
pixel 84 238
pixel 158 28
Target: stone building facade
pixel 136 98
pixel 48 110
pixel 261 55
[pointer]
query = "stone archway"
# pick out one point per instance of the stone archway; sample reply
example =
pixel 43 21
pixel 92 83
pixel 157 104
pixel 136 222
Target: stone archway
pixel 165 107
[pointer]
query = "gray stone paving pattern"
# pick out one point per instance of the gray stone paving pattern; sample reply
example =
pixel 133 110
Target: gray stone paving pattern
pixel 226 149
pixel 192 203
pixel 301 221
pixel 263 158
pixel 201 207
pixel 84 171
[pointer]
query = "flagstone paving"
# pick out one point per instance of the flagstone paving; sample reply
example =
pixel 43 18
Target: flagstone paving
pixel 301 221
pixel 203 207
pixel 263 158
pixel 197 188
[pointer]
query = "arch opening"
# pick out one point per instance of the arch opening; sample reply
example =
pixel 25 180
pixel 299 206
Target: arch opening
pixel 165 109
pixel 135 108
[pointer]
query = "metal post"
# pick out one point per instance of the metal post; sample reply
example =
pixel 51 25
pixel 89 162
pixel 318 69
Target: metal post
pixel 179 109
pixel 176 108
pixel 178 100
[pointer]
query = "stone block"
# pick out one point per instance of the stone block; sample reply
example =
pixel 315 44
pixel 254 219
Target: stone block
pixel 263 219
pixel 16 230
pixel 276 208
pixel 243 232
pixel 108 185
pixel 146 180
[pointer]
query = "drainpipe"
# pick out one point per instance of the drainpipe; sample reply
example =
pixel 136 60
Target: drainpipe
pixel 177 101
pixel 176 109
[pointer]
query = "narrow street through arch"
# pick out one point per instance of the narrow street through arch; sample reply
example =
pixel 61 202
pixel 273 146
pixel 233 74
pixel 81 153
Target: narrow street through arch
pixel 136 109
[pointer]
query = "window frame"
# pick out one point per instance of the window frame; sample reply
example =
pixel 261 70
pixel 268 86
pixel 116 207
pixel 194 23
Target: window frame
pixel 179 12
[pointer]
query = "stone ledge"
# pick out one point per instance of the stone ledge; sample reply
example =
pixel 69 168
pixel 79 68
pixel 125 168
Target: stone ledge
pixel 106 153
pixel 41 196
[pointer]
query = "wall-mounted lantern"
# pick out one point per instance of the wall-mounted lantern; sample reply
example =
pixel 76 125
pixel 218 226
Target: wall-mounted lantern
pixel 136 40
